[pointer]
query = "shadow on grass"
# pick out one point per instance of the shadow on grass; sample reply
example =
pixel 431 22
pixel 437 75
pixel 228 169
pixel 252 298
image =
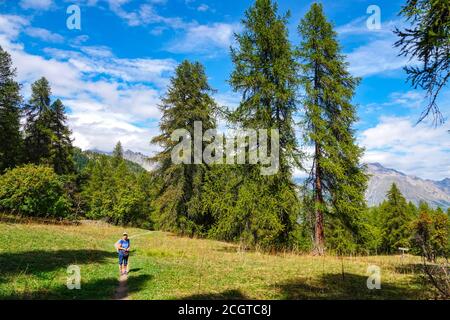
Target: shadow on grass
pixel 95 290
pixel 225 295
pixel 136 283
pixel 32 262
pixel 349 287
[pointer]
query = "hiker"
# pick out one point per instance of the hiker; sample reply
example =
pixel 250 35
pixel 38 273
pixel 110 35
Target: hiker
pixel 123 248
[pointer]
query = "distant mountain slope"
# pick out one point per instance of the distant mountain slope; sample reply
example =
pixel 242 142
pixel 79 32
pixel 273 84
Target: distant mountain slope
pixel 444 184
pixel 139 159
pixel 135 161
pixel 135 157
pixel 436 193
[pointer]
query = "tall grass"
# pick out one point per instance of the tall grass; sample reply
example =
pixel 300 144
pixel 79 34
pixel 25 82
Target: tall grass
pixel 34 258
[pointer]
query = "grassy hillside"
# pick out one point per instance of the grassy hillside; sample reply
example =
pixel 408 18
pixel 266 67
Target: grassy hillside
pixel 34 258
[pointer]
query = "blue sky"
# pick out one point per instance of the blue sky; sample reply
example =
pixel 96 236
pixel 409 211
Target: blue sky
pixel 112 73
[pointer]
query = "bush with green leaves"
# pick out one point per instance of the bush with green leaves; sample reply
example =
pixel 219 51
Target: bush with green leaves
pixel 430 233
pixel 33 190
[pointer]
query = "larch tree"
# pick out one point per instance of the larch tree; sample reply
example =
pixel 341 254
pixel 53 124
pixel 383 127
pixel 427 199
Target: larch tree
pixel 61 149
pixel 10 112
pixel 396 221
pixel 265 75
pixel 47 136
pixel 188 100
pixel 117 154
pixel 337 177
pixel 38 134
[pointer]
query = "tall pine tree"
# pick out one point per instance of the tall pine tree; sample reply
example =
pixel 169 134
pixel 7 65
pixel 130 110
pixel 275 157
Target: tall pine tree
pixel 10 100
pixel 264 73
pixel 38 134
pixel 61 149
pixel 337 177
pixel 117 154
pixel 396 220
pixel 47 136
pixel 188 99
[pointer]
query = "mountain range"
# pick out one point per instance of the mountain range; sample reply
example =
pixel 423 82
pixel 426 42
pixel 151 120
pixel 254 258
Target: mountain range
pixel 415 189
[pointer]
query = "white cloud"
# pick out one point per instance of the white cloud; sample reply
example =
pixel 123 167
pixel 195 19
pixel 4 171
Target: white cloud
pixel 36 4
pixel 108 97
pixel 44 34
pixel 100 60
pixel 410 99
pixel 203 7
pixel 96 128
pixel 197 38
pixel 228 99
pixel 97 51
pixel 156 31
pixel 358 27
pixel 78 40
pixel 420 150
pixel 11 25
pixel 205 38
pixel 376 57
pixel 143 16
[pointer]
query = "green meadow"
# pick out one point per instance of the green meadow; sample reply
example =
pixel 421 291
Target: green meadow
pixel 34 258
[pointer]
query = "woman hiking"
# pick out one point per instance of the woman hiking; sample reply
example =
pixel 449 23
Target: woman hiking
pixel 123 248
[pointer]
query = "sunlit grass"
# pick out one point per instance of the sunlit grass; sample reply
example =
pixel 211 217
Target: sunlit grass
pixel 34 260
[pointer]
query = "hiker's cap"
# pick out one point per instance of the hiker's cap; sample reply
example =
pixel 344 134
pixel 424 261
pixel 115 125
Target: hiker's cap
pixel 125 234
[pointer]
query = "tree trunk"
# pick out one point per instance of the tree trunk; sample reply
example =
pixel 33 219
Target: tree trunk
pixel 319 236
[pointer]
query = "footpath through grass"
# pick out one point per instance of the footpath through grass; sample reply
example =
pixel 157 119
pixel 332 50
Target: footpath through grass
pixel 34 260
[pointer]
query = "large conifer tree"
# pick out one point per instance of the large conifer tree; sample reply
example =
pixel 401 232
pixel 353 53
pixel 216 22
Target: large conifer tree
pixel 395 227
pixel 188 99
pixel 38 134
pixel 264 72
pixel 47 137
pixel 337 177
pixel 61 149
pixel 117 154
pixel 10 99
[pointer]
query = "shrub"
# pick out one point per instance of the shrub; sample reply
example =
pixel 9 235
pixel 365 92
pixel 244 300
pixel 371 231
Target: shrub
pixel 33 190
pixel 430 234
